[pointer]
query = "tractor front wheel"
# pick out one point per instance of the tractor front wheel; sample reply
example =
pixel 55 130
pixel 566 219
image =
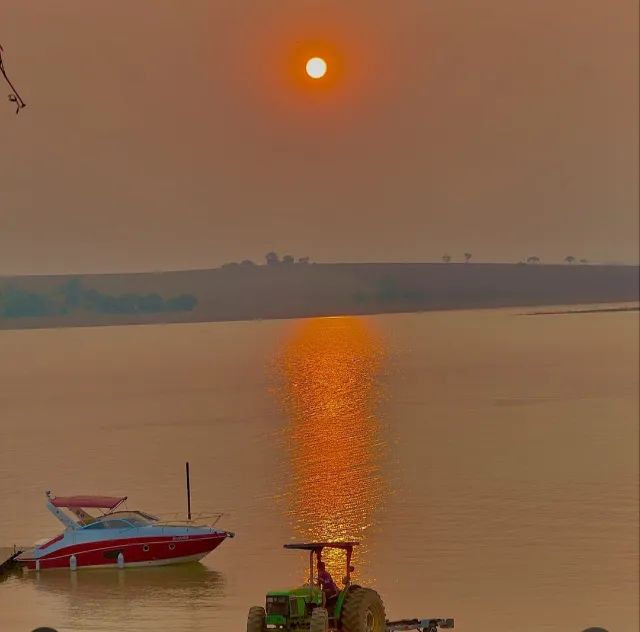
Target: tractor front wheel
pixel 363 611
pixel 319 620
pixel 257 619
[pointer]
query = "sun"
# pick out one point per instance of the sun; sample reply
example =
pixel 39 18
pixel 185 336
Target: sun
pixel 316 67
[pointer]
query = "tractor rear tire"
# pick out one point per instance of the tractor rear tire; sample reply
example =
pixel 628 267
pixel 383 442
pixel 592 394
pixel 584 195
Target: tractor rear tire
pixel 319 620
pixel 257 619
pixel 363 611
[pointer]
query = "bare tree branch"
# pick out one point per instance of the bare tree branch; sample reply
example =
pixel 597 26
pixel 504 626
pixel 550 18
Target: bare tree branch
pixel 14 96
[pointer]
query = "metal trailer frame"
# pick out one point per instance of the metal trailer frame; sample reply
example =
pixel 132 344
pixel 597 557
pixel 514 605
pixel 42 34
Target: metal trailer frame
pixel 422 625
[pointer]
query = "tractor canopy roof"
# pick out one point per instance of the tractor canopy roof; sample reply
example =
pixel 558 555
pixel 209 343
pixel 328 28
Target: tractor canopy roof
pixel 318 546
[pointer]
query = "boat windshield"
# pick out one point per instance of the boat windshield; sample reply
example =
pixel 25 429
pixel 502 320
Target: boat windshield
pixel 120 520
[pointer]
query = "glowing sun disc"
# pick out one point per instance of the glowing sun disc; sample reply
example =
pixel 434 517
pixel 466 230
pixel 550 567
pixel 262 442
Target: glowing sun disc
pixel 316 67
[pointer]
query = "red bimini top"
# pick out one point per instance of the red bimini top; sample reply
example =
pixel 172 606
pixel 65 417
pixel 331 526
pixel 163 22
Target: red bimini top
pixel 97 502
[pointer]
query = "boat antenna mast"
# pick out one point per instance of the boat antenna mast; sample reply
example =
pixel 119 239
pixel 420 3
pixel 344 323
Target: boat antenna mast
pixel 14 95
pixel 188 492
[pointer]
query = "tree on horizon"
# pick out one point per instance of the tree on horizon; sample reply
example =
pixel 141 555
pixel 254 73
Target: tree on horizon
pixel 446 258
pixel 467 257
pixel 533 259
pixel 272 258
pixel 569 259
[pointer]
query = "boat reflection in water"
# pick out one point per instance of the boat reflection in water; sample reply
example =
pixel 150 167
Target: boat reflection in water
pixel 330 390
pixel 147 598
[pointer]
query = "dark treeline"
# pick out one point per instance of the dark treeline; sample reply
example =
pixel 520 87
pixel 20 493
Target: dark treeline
pixel 271 259
pixel 282 288
pixel 71 296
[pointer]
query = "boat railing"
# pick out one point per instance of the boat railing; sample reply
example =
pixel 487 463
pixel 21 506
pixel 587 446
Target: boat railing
pixel 200 518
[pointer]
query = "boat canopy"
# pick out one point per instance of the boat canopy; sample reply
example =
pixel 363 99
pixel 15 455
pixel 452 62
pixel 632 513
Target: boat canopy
pixel 97 502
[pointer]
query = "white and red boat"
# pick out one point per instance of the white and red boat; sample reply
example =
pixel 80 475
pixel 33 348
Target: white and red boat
pixel 118 539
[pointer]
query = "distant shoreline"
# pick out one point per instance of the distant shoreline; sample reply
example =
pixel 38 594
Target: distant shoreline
pixel 33 326
pixel 306 290
pixel 595 310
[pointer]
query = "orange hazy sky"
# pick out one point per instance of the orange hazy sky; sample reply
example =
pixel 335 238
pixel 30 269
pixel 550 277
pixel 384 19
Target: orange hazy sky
pixel 164 134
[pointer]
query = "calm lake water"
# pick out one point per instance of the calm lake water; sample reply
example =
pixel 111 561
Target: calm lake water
pixel 487 460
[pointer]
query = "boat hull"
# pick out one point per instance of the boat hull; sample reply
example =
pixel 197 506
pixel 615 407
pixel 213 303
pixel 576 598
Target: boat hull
pixel 139 551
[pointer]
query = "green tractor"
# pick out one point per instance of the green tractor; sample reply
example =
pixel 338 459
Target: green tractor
pixel 310 609
pixel 307 608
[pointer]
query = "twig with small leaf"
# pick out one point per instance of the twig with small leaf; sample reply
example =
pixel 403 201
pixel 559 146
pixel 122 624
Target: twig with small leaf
pixel 14 96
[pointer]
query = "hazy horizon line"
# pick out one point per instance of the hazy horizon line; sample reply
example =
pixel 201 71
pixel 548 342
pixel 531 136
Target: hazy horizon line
pixel 453 261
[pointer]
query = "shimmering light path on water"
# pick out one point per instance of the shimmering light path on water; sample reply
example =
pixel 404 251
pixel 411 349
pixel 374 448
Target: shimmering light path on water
pixel 330 393
pixel 487 460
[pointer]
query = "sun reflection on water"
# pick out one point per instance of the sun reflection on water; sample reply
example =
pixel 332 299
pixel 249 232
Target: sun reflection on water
pixel 330 390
